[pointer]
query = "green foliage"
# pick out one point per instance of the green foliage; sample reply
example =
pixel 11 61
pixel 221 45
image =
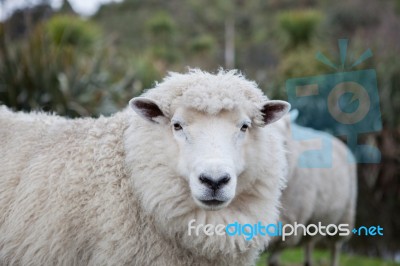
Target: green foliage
pixel 397 6
pixel 299 25
pixel 294 257
pixel 37 74
pixel 161 24
pixel 146 72
pixel 162 29
pixel 296 63
pixel 202 44
pixel 165 53
pixel 389 75
pixel 72 31
pixel 301 63
pixel 348 17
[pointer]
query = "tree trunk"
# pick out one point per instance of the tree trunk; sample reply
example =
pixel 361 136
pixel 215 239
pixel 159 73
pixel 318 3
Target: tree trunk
pixel 230 43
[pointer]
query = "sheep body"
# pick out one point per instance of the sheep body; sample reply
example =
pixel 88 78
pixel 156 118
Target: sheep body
pixel 104 192
pixel 325 194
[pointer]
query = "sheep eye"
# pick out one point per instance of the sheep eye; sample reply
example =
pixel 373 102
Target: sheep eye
pixel 177 127
pixel 244 128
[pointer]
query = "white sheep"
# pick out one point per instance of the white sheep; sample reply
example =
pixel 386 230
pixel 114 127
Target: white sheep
pixel 315 192
pixel 121 190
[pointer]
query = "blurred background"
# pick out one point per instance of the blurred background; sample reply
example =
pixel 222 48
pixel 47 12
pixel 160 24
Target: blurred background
pixel 86 58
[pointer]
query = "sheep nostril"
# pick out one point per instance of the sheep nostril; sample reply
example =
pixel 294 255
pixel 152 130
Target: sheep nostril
pixel 206 180
pixel 224 180
pixel 214 185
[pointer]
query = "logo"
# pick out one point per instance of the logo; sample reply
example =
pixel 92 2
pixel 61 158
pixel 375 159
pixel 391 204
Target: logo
pixel 249 231
pixel 347 104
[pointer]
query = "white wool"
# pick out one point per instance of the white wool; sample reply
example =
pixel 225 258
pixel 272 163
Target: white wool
pixel 105 192
pixel 207 92
pixel 326 195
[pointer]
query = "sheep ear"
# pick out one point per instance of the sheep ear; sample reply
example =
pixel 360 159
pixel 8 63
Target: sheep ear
pixel 147 109
pixel 274 110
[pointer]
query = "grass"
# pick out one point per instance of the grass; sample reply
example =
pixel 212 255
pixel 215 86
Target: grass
pixel 294 257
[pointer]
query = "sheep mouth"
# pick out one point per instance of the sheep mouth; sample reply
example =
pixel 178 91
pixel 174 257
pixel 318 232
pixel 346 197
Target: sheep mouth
pixel 213 202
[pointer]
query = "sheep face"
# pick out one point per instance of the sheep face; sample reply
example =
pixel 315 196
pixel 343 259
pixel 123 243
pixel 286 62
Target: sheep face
pixel 211 153
pixel 212 147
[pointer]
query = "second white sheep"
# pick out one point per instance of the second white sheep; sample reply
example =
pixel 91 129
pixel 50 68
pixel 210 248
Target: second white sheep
pixel 321 188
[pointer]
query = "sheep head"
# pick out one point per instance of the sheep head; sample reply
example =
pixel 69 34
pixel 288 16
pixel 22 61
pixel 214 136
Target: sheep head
pixel 213 148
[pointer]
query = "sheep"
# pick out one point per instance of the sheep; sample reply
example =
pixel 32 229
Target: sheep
pixel 121 190
pixel 326 195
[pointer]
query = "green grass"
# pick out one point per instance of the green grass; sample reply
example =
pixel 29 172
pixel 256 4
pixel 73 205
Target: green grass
pixel 294 257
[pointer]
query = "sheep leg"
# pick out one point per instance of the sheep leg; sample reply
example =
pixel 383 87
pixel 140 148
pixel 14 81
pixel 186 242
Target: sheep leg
pixel 273 259
pixel 335 253
pixel 309 247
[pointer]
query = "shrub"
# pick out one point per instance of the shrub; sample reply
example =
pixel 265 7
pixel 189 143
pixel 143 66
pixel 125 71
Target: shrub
pixel 161 24
pixel 146 73
pixel 348 18
pixel 301 63
pixel 36 74
pixel 161 29
pixel 202 44
pixel 299 25
pixel 66 30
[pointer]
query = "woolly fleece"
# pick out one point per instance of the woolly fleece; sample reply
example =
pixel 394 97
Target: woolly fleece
pixel 105 191
pixel 312 195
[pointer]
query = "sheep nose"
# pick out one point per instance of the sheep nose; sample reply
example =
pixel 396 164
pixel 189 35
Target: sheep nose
pixel 212 183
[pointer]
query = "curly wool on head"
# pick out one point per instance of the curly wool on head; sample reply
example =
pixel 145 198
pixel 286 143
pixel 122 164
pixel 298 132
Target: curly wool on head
pixel 207 92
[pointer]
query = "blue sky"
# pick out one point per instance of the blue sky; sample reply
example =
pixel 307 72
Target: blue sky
pixel 83 7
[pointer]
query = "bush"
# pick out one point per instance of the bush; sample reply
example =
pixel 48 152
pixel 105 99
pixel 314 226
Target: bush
pixel 301 63
pixel 162 28
pixel 146 73
pixel 36 74
pixel 202 44
pixel 299 25
pixel 67 30
pixel 348 18
pixel 161 24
